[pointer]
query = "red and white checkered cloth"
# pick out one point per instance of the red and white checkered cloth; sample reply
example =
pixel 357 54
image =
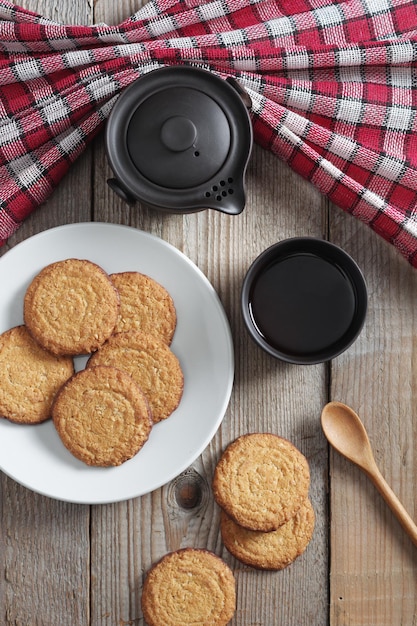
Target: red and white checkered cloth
pixel 333 85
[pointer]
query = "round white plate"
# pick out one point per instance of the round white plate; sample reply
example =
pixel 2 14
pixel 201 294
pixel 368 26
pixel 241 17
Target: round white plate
pixel 33 455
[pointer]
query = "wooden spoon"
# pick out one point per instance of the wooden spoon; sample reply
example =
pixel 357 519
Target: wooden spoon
pixel 346 433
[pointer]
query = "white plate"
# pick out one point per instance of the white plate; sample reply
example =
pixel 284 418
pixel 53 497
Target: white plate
pixel 34 456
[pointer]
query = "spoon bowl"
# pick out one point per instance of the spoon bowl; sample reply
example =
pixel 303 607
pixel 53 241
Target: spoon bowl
pixel 346 433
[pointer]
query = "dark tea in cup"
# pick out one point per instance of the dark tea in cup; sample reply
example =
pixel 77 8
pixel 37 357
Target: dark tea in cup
pixel 304 300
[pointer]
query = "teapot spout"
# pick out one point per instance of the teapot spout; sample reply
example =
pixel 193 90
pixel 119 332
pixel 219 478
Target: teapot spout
pixel 230 200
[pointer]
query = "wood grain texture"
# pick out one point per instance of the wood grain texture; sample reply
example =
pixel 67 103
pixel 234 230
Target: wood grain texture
pixel 374 563
pixel 45 544
pixel 66 564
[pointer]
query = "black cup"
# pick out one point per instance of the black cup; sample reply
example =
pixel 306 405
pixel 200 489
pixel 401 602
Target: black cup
pixel 304 300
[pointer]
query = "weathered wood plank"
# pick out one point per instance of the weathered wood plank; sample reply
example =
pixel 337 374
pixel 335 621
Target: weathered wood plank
pixel 44 548
pixel 373 565
pixel 44 544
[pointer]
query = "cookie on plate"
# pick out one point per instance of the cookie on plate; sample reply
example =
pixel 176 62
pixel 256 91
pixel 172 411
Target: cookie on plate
pixel 101 416
pixel 274 550
pixel 144 305
pixel 261 481
pixel 29 377
pixel 71 307
pixel 152 365
pixel 189 586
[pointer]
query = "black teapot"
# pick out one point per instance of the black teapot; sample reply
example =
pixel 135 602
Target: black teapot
pixel 179 139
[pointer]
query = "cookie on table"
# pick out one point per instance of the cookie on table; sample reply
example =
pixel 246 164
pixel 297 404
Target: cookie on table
pixel 102 417
pixel 261 481
pixel 144 305
pixel 71 307
pixel 273 550
pixel 29 377
pixel 151 364
pixel 189 586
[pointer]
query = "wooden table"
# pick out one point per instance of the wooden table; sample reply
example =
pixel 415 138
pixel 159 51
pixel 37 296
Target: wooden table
pixel 76 565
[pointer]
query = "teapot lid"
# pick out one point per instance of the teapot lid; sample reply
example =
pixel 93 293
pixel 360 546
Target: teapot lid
pixel 177 133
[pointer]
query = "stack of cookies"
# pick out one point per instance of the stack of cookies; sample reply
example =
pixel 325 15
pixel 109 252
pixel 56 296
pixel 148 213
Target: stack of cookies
pixel 125 322
pixel 261 483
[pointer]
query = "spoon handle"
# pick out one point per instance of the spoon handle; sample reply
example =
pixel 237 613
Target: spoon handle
pixel 393 502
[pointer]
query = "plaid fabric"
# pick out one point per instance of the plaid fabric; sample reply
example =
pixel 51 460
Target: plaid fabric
pixel 333 86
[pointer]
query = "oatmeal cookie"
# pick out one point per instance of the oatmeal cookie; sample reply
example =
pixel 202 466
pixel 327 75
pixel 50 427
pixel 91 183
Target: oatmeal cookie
pixel 151 363
pixel 274 550
pixel 189 586
pixel 101 416
pixel 144 305
pixel 29 377
pixel 261 481
pixel 71 307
